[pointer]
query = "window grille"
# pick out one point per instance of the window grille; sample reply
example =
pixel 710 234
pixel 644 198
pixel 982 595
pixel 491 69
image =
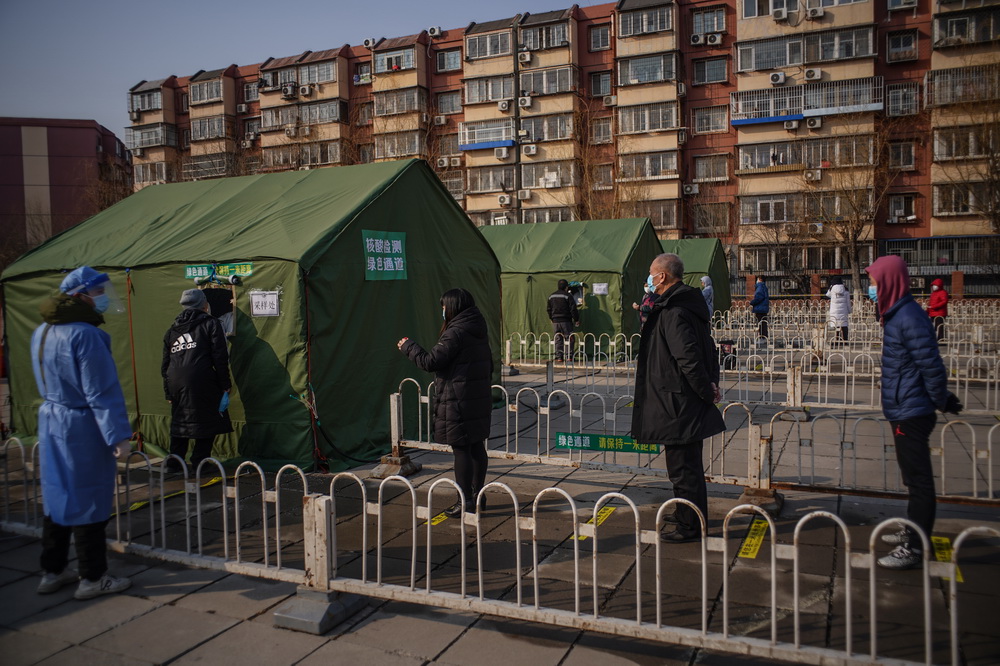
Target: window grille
pixel 325 152
pixel 962 84
pixel 647 166
pixel 251 92
pixel 208 128
pixel 279 116
pixel 489 89
pixel 710 119
pixel 542 215
pixel 321 112
pixel 828 97
pixel 955 143
pixel 902 99
pixel 486 131
pixel 647 69
pixel 491 179
pixel 902 46
pixel 544 37
pixel 712 70
pixel 454 182
pixel 548 128
pixel 600 38
pixel 777 52
pixel 145 101
pixel 647 117
pixel 152 172
pixel 959 198
pixel 147 136
pixel 976 27
pixel 536 175
pixel 709 20
pixel 449 61
pixel 448 144
pixel 319 72
pixel 769 208
pixel 600 130
pixel 206 91
pixel 711 168
pixel 600 84
pixel 449 102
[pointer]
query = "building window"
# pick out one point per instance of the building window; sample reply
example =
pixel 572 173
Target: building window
pixel 454 182
pixel 449 102
pixel 251 92
pixel 399 144
pixel 547 81
pixel 321 112
pixel 770 105
pixel 366 153
pixel 548 128
pixel 448 144
pixel 958 198
pixel 902 46
pixel 542 215
pixel 645 21
pixel 843 151
pixel 956 143
pixel 544 37
pixel 603 177
pixel 184 102
pixel 710 218
pixel 325 152
pixel 153 172
pixel 978 83
pixel 486 131
pixel 971 28
pixel 662 213
pixel 767 208
pixel 487 46
pixel 647 117
pixel 185 139
pixel 145 101
pixel 768 156
pixel 492 89
pixel 449 61
pixel 536 175
pixel 362 73
pixel 776 52
pixel 206 91
pixel 643 166
pixel 901 208
pixel 600 130
pixel 208 128
pixel 647 69
pixel 600 84
pixel 393 61
pixel 491 179
pixel 278 116
pixel 319 72
pixel 755 8
pixel 394 102
pixel 600 38
pixel 902 155
pixel 901 99
pixel 366 111
pixel 709 20
pixel 251 126
pixel 710 119
pixel 712 70
pixel 711 168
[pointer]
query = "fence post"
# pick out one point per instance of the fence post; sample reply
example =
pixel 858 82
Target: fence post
pixel 395 462
pixel 759 491
pixel 315 609
pixel 793 387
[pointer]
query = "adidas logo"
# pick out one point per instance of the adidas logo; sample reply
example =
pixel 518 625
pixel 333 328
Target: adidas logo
pixel 185 341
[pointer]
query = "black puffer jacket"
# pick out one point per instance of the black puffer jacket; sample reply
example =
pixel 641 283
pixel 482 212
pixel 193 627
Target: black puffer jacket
pixel 675 370
pixel 463 366
pixel 195 373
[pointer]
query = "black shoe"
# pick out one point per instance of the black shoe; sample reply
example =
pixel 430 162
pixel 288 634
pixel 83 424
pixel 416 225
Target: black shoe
pixel 671 519
pixel 454 511
pixel 172 466
pixel 677 536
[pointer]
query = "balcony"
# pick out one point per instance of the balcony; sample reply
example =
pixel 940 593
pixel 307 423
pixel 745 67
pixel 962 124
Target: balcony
pixel 148 136
pixel 961 84
pixel 781 103
pixel 484 134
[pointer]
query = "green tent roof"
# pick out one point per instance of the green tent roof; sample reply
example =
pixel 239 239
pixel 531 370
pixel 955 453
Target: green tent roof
pixel 594 245
pixel 220 220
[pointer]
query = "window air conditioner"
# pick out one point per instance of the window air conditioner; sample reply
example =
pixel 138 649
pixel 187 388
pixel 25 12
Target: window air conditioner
pixel 524 102
pixel 690 189
pixel 133 115
pixel 241 108
pixel 456 161
pixel 791 124
pixel 524 57
pixel 440 120
pixel 137 152
pixel 503 199
pixel 530 149
pixel 304 131
pixel 523 195
pixel 681 89
pixel 815 228
pixel 305 91
pixel 610 100
pixel 697 39
pixel 247 144
pixel 370 43
pixel 813 74
pixel 289 90
pixel 713 38
pixel 503 105
pixel 500 153
pixel 442 162
pixel 250 136
pixel 289 131
pixel 815 13
pixel 787 284
pixel 777 78
pixel 779 14
pixel 812 175
pixel 435 31
pixel 916 283
pixel 814 123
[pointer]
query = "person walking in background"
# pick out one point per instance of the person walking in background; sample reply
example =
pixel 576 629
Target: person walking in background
pixel 561 308
pixel 840 307
pixel 914 386
pixel 676 388
pixel 760 304
pixel 195 370
pixel 83 427
pixel 708 292
pixel 937 307
pixel 463 366
pixel 648 298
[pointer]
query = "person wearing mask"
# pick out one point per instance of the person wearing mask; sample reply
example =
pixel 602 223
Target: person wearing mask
pixel 840 307
pixel 760 305
pixel 709 294
pixel 561 308
pixel 648 297
pixel 873 297
pixel 914 386
pixel 195 370
pixel 463 366
pixel 937 307
pixel 677 388
pixel 83 427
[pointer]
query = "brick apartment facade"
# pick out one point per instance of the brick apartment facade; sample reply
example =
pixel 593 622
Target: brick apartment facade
pixel 800 132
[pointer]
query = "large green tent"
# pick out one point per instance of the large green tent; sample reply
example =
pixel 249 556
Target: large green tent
pixel 703 256
pixel 337 264
pixel 609 258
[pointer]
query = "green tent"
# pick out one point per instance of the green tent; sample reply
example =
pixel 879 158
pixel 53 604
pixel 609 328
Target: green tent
pixel 336 265
pixel 703 256
pixel 609 258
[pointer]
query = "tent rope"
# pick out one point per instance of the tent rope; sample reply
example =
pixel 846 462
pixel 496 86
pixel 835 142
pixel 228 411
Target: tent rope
pixel 129 288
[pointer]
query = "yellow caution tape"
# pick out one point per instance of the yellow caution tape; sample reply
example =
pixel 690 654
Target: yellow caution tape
pixel 942 553
pixel 602 515
pixel 754 538
pixel 135 506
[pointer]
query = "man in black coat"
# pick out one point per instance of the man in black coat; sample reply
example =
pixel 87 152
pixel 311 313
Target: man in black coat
pixel 676 388
pixel 196 380
pixel 562 311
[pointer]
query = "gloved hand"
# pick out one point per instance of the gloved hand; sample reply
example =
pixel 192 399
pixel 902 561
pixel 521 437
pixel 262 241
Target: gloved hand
pixel 122 449
pixel 224 403
pixel 952 405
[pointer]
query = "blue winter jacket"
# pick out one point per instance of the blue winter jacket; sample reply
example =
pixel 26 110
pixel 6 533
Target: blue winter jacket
pixel 914 379
pixel 761 302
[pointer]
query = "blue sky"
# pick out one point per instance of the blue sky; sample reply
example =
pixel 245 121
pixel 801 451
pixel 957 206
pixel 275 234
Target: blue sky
pixel 78 58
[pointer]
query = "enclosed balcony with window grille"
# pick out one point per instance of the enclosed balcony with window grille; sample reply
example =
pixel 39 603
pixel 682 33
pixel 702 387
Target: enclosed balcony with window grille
pixel 481 134
pixel 813 99
pixel 147 136
pixel 979 83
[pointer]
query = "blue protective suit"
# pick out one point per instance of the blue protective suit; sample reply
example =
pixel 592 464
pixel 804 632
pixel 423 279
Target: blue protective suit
pixel 81 419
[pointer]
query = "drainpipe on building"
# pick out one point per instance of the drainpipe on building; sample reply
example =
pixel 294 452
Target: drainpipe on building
pixel 515 202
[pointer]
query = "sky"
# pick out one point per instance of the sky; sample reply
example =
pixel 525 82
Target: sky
pixel 78 58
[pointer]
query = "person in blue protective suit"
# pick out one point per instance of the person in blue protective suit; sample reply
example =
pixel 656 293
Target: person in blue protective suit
pixel 82 428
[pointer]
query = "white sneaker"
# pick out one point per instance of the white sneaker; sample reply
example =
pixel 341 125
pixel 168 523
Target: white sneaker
pixel 53 582
pixel 902 557
pixel 108 584
pixel 896 538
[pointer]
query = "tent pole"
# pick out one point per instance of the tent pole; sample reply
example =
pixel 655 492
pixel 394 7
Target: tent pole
pixel 137 435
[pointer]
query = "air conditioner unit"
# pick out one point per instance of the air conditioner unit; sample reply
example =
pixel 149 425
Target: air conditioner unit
pixel 498 218
pixel 815 13
pixel 791 124
pixel 524 57
pixel 523 134
pixel 247 144
pixel 610 100
pixel 370 43
pixel 524 102
pixel 777 78
pixel 815 228
pixel 682 135
pixel 529 149
pixel 250 136
pixel 690 189
pixel 713 38
pixel 813 74
pixel 289 131
pixel 501 153
pixel 440 120
pixel 435 31
pixel 503 105
pixel 779 14
pixel 503 199
pixel 814 123
pixel 305 91
pixel 788 285
pixel 289 90
pixel 812 175
pixel 305 130
pixel 241 108
pixel 697 39
pixel 305 168
pixel 917 283
pixel 456 161
pixel 137 152
pixel 681 89
pixel 523 195
pixel 442 162
pixel 133 115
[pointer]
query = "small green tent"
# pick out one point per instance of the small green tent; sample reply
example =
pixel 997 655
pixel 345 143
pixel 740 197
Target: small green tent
pixel 336 265
pixel 703 256
pixel 610 258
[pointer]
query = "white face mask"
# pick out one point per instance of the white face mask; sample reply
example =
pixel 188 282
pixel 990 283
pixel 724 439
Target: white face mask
pixel 934 287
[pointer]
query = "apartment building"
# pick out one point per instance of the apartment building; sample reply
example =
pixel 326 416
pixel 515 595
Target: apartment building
pixel 809 135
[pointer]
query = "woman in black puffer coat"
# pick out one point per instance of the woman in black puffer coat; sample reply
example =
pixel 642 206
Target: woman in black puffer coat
pixel 463 367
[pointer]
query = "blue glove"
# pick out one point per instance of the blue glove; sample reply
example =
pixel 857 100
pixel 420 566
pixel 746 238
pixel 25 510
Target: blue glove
pixel 224 403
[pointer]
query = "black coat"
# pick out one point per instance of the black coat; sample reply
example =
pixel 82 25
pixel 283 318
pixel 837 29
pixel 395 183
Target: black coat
pixel 463 367
pixel 675 370
pixel 195 373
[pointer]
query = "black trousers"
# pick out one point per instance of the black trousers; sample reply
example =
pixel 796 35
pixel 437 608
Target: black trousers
pixel 761 323
pixel 563 337
pixel 687 473
pixel 91 550
pixel 471 463
pixel 202 449
pixel 912 440
pixel 939 327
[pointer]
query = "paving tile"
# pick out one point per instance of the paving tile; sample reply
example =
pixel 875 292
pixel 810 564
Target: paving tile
pixel 167 583
pixel 601 650
pixel 411 630
pixel 19 648
pixel 342 652
pixel 238 597
pixel 78 655
pixel 78 621
pixel 253 644
pixel 496 642
pixel 11 575
pixel 30 602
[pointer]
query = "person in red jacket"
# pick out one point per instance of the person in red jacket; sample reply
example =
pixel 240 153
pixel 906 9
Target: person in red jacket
pixel 937 307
